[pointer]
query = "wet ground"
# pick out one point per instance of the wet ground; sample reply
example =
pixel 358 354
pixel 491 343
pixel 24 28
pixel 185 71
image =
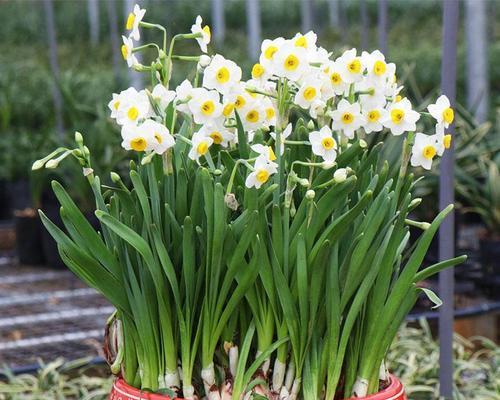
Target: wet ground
pixel 47 313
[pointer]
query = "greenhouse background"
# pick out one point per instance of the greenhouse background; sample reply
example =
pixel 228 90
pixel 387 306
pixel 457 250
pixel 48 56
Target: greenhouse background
pixel 59 62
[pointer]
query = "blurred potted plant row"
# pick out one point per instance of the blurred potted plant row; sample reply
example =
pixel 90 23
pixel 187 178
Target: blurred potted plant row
pixel 27 132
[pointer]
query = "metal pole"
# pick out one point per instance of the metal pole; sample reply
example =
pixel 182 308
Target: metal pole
pixel 218 20
pixel 93 11
pixel 363 10
pixel 333 8
pixel 115 39
pixel 54 65
pixel 253 27
pixel 307 11
pixel 446 196
pixel 476 34
pixel 382 26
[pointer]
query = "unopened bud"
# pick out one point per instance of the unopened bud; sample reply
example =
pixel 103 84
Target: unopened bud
pixel 204 60
pixel 231 202
pixel 217 172
pixel 77 153
pixel 310 194
pixel 362 144
pixel 327 164
pixel 37 165
pixel 86 151
pixel 340 175
pixel 79 138
pixel 304 182
pixel 161 54
pixel 52 164
pixel 310 125
pixel 115 177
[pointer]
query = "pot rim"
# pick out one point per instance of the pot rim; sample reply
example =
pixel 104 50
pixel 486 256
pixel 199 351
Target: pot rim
pixel 394 391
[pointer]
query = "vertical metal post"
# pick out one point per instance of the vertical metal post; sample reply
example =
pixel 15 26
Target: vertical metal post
pixel 446 196
pixel 218 20
pixel 333 8
pixel 115 39
pixel 363 10
pixel 382 26
pixel 307 12
pixel 253 27
pixel 54 65
pixel 93 12
pixel 476 66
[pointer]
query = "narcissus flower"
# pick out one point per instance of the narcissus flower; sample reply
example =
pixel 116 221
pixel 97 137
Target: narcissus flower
pixel 200 145
pixel 115 102
pixel 347 118
pixel 221 75
pixel 204 105
pixel 269 48
pixel 217 132
pixel 333 85
pixel 400 117
pixel 324 144
pixel 133 20
pixel 308 92
pixel 265 151
pixel 133 107
pixel 137 138
pixel 442 111
pixel 351 66
pixel 377 69
pixel 127 51
pixel 290 62
pixel 424 150
pixel 163 140
pixel 204 33
pixel 162 96
pixel 373 119
pixel 283 136
pixel 263 170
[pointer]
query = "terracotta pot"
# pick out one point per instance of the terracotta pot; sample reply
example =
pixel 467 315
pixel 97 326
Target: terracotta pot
pixel 122 391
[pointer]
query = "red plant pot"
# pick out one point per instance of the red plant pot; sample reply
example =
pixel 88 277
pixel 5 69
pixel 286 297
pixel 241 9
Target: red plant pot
pixel 395 391
pixel 122 391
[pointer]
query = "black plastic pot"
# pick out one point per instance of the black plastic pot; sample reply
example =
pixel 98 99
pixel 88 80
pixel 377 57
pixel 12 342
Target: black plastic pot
pixel 20 194
pixel 489 249
pixel 5 209
pixel 50 251
pixel 29 239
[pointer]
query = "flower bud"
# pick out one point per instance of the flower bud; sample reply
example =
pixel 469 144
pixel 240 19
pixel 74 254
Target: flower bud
pixel 37 165
pixel 161 54
pixel 79 138
pixel 52 164
pixel 115 177
pixel 362 144
pixel 327 164
pixel 310 125
pixel 310 194
pixel 217 172
pixel 77 153
pixel 204 60
pixel 340 175
pixel 304 182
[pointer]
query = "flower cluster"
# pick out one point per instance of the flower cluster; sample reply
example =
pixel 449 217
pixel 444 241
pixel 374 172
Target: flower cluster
pixel 345 98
